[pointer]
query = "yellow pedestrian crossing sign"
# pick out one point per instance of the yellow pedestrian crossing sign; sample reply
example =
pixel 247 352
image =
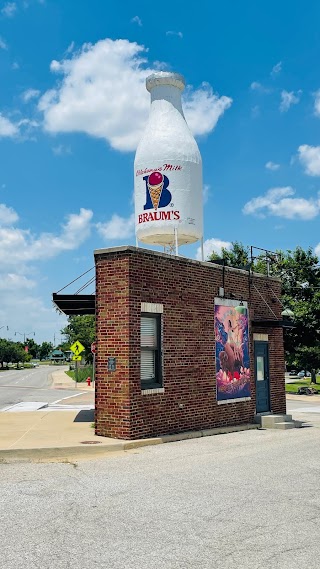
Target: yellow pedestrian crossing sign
pixel 77 358
pixel 77 348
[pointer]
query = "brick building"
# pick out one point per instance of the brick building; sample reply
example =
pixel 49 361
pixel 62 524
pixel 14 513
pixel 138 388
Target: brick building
pixel 157 336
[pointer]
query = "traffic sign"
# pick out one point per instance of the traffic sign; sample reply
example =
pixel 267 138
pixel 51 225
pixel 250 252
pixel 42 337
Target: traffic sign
pixel 93 347
pixel 77 348
pixel 76 358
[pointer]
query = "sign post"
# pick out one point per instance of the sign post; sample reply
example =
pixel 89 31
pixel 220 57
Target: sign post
pixel 77 348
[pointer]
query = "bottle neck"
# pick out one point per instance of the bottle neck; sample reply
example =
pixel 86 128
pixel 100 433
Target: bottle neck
pixel 168 95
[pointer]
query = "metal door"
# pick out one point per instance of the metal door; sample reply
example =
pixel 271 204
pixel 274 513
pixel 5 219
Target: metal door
pixel 261 371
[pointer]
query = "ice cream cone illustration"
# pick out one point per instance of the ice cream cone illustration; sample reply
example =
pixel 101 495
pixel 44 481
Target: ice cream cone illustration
pixel 155 185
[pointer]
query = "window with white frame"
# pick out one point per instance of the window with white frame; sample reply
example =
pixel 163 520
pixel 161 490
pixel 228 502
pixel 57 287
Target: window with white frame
pixel 150 369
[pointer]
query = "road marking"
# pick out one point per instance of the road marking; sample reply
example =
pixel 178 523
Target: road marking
pixel 68 397
pixel 306 410
pixel 26 406
pixel 69 408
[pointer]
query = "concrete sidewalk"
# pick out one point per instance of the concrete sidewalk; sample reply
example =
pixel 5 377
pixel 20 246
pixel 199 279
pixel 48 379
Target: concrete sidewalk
pixel 83 394
pixel 68 435
pixel 42 436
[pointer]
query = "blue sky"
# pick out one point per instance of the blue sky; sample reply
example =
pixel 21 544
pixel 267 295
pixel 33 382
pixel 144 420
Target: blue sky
pixel 73 106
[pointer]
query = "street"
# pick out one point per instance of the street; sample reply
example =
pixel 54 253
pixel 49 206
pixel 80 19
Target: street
pixel 21 385
pixel 248 500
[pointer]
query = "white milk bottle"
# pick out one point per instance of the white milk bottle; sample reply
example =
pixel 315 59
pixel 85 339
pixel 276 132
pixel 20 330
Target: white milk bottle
pixel 167 170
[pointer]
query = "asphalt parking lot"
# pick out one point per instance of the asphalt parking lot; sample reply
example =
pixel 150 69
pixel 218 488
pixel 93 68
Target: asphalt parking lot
pixel 248 500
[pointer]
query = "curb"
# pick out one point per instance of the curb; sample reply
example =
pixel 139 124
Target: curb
pixel 69 454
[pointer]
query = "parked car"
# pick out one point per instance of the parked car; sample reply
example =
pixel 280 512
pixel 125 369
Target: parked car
pixel 304 374
pixel 293 372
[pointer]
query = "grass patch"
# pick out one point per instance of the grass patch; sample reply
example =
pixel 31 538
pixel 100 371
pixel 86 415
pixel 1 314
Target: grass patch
pixel 83 373
pixel 294 386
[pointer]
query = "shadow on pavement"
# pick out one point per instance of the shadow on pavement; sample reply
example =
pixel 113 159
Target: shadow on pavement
pixel 84 416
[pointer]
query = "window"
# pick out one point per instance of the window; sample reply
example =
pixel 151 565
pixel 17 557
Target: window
pixel 150 369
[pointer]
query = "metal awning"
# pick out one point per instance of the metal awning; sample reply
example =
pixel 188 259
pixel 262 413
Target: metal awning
pixel 71 304
pixel 272 323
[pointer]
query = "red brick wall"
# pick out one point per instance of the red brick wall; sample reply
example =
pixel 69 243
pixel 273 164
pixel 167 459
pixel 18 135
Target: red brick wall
pixel 128 276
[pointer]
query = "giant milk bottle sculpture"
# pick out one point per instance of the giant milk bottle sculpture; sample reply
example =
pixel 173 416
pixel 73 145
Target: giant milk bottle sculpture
pixel 168 170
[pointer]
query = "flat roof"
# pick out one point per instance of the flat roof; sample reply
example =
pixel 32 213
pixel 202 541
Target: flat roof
pixel 144 250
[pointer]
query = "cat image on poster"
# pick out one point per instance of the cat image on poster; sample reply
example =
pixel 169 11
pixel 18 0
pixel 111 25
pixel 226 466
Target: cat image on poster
pixel 232 351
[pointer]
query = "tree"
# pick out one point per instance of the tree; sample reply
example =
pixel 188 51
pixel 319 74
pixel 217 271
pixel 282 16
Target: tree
pixel 308 358
pixel 18 353
pixel 11 352
pixel 81 328
pixel 299 271
pixel 44 350
pixel 237 256
pixel 33 348
pixel 4 351
pixel 64 346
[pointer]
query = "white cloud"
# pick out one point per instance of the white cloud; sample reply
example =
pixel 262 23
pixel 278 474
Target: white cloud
pixel 30 94
pixel 172 33
pixel 272 166
pixel 256 86
pixel 3 44
pixel 21 306
pixel 7 128
pixel 309 157
pixel 277 201
pixel 276 69
pixel 70 48
pixel 13 281
pixel 205 192
pixel 102 93
pixel 7 215
pixel 203 108
pixel 317 103
pixel 288 98
pixel 117 228
pixel 212 245
pixel 15 65
pixel 20 245
pixel 317 250
pixel 9 9
pixel 137 20
pixel 23 310
pixel 255 111
pixel 60 150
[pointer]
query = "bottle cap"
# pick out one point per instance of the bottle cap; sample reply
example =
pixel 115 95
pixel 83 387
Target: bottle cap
pixel 165 78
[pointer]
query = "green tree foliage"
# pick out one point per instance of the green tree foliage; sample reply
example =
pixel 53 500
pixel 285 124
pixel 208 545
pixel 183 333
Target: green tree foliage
pixel 64 346
pixel 238 256
pixel 44 350
pixel 11 352
pixel 81 328
pixel 33 348
pixel 299 271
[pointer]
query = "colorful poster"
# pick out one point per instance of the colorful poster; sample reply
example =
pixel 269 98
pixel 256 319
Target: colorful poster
pixel 232 350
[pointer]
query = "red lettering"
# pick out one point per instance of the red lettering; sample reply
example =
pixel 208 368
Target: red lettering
pixel 159 216
pixel 148 171
pixel 171 167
